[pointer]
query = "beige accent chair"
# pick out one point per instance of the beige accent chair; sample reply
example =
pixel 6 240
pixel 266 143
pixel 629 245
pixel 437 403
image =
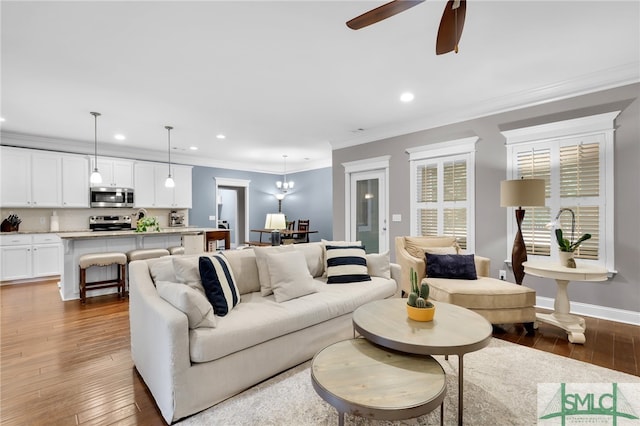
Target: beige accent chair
pixel 500 302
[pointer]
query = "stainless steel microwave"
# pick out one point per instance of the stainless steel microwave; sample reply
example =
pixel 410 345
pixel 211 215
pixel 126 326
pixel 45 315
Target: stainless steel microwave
pixel 111 197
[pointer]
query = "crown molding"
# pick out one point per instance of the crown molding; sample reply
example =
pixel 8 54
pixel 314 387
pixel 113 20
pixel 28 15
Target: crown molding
pixel 110 150
pixel 588 83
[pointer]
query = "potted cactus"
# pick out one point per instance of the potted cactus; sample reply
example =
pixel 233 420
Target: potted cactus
pixel 418 307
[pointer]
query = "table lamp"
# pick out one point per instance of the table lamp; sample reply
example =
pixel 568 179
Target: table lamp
pixel 518 193
pixel 275 222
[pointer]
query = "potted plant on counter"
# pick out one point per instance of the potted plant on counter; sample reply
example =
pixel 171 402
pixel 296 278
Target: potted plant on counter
pixel 147 224
pixel 418 307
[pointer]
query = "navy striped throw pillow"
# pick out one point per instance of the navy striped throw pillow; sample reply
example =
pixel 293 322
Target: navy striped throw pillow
pixel 346 264
pixel 218 283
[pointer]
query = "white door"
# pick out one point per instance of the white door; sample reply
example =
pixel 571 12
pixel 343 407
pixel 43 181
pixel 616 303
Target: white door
pixel 368 210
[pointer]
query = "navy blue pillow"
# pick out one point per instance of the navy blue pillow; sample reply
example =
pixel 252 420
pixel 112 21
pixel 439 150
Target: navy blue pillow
pixel 218 283
pixel 459 266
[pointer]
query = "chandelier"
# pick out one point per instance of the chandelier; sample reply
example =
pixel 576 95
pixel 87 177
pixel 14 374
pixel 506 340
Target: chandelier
pixel 284 185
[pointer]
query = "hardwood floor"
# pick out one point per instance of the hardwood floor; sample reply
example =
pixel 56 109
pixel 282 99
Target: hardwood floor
pixel 67 364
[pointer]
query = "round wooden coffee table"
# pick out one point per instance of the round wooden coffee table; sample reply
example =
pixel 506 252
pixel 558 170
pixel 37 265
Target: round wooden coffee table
pixel 360 378
pixel 453 331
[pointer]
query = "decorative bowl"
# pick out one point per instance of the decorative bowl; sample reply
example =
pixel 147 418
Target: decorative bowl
pixel 421 314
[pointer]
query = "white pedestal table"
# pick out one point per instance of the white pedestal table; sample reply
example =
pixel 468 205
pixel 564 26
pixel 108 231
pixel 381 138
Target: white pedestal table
pixel 561 316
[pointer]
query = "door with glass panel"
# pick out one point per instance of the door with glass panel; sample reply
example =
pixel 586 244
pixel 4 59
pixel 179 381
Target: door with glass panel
pixel 368 210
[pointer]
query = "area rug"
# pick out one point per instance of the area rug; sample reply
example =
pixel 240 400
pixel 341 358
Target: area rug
pixel 500 388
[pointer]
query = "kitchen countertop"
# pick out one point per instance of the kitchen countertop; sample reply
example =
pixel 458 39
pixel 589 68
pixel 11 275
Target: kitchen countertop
pixel 86 234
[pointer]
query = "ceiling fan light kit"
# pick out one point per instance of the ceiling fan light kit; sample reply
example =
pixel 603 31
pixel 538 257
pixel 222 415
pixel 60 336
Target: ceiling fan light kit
pixel 449 31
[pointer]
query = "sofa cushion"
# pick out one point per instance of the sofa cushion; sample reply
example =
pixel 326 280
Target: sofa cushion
pixel 218 283
pixel 263 268
pixel 453 266
pixel 193 303
pixel 245 269
pixel 187 271
pixel 313 254
pixel 290 277
pixel 415 245
pixel 259 319
pixel 161 269
pixel 346 264
pixel 379 264
pixel 483 293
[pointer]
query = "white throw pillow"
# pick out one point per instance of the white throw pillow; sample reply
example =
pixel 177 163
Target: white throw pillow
pixel 194 304
pixel 187 271
pixel 326 243
pixel 161 269
pixel 263 269
pixel 290 277
pixel 379 264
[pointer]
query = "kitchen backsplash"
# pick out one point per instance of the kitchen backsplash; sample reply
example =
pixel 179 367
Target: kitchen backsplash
pixel 39 220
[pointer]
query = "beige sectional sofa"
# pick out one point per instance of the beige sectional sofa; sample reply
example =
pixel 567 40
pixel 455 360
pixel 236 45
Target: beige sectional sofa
pixel 500 302
pixel 190 365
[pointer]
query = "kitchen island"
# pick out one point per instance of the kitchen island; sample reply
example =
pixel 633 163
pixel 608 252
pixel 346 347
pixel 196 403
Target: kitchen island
pixel 78 243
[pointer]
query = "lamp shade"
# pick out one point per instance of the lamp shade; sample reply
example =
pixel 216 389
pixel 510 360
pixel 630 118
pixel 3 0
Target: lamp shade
pixel 522 192
pixel 275 221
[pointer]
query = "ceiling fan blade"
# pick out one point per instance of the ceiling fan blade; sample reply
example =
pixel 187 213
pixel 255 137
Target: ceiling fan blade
pixel 451 26
pixel 382 12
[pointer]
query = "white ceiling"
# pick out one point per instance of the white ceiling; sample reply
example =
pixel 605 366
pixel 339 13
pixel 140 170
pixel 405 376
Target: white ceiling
pixel 289 77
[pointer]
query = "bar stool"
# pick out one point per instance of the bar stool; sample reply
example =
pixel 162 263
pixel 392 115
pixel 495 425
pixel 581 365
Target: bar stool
pixel 102 259
pixel 142 254
pixel 176 250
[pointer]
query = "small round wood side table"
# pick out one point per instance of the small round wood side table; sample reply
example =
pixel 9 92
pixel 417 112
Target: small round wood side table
pixel 360 378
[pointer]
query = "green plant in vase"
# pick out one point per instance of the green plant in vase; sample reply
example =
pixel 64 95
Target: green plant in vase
pixel 147 224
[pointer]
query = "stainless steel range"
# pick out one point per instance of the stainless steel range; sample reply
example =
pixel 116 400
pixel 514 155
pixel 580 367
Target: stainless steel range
pixel 110 223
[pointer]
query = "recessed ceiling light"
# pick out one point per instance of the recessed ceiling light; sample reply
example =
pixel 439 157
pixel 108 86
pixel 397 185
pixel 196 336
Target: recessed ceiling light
pixel 119 137
pixel 1 119
pixel 220 136
pixel 407 97
pixel 193 148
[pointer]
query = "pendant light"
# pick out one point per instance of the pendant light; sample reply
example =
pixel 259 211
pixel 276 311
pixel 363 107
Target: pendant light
pixel 95 175
pixel 169 183
pixel 284 186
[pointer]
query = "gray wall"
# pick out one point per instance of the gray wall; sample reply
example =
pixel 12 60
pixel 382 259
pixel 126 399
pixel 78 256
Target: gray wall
pixel 623 291
pixel 310 199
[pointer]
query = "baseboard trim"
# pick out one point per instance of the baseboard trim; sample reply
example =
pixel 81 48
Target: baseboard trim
pixel 611 314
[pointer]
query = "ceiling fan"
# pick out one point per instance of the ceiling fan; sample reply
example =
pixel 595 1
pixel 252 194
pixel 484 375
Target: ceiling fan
pixel 451 23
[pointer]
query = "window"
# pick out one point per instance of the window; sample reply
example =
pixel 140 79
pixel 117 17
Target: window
pixel 575 159
pixel 442 198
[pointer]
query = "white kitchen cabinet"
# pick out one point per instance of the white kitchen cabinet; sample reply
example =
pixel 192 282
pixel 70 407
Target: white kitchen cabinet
pixel 46 252
pixel 46 179
pixel 116 173
pixel 178 196
pixel 151 192
pixel 30 178
pixel 75 181
pixel 182 192
pixel 25 256
pixel 145 184
pixel 15 175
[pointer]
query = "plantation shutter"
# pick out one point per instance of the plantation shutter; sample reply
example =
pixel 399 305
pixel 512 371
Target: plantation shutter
pixel 536 164
pixel 441 198
pixel 455 197
pixel 576 159
pixel 580 191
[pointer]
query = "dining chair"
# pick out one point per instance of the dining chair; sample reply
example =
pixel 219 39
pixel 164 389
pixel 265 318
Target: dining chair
pixel 303 225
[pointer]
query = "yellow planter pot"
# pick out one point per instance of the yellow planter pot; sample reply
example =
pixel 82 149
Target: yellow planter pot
pixel 421 314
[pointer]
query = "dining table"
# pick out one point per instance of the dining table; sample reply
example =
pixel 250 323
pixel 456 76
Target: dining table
pixel 283 234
